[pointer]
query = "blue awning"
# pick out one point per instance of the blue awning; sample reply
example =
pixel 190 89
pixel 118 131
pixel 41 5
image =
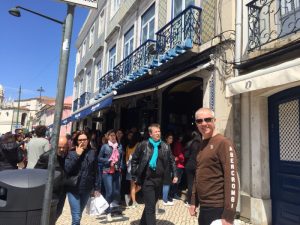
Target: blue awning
pixel 93 108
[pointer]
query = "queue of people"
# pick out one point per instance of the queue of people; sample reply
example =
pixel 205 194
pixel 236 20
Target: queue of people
pixel 95 163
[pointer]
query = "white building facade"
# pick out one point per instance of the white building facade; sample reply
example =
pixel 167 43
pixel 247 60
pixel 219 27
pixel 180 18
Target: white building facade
pixel 268 87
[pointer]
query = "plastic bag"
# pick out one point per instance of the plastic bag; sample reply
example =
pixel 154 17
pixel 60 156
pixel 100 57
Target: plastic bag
pixel 96 206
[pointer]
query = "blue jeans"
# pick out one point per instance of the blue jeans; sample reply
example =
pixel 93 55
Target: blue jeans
pixel 77 203
pixel 112 187
pixel 166 189
pixel 174 188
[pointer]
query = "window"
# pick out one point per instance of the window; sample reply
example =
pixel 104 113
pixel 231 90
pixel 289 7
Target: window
pixel 112 58
pixel 101 24
pixel 88 84
pixel 80 88
pixel 180 5
pixel 76 90
pixel 148 24
pixel 98 75
pixel 92 36
pixel 83 48
pixel 78 56
pixel 289 6
pixel 115 4
pixel 128 42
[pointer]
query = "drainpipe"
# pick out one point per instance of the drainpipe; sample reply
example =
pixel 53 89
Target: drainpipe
pixel 236 99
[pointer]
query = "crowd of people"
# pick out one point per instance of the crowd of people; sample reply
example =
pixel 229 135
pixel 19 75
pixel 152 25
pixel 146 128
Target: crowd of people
pixel 118 164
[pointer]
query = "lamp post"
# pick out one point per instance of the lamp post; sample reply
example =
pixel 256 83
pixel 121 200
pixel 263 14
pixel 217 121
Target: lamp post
pixel 61 86
pixel 18 109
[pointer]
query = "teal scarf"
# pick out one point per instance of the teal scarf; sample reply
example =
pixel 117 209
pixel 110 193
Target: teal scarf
pixel 153 160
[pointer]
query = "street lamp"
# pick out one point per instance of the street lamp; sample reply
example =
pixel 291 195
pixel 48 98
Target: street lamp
pixel 61 87
pixel 16 12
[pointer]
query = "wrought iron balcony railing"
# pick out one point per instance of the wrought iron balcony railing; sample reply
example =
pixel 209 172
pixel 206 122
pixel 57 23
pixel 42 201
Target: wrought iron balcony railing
pixel 185 27
pixel 75 105
pixel 269 20
pixel 84 99
pixel 172 40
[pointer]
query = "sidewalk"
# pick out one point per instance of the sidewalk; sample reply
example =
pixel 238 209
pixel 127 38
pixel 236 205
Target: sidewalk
pixel 169 215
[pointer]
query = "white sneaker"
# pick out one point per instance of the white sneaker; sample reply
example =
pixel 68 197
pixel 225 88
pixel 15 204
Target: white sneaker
pixel 127 199
pixel 187 204
pixel 168 203
pixel 108 217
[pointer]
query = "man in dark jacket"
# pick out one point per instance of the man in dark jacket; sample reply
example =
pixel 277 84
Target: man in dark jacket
pixel 148 165
pixel 10 152
pixel 62 151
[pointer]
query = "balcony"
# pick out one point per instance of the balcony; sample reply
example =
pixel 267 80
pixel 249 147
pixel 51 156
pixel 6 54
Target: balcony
pixel 180 33
pixel 76 105
pixel 174 39
pixel 84 99
pixel 270 20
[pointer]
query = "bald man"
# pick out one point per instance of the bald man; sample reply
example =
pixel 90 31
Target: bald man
pixel 61 152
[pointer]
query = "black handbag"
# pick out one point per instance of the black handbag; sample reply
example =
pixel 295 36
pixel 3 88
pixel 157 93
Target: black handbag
pixel 72 181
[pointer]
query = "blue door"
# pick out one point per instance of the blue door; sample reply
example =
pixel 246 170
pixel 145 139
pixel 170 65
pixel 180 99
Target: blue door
pixel 284 134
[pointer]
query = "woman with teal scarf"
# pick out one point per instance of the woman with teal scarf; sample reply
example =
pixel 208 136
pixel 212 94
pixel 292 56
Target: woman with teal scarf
pixel 148 165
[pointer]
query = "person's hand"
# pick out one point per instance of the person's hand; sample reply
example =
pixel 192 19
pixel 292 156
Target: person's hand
pixel 175 179
pixel 97 194
pixel 112 163
pixel 192 210
pixel 225 222
pixel 79 149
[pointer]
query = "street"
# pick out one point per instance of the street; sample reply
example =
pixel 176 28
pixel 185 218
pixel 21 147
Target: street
pixel 170 215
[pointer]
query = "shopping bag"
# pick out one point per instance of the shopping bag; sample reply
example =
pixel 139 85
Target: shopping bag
pixel 218 222
pixel 96 206
pixel 90 207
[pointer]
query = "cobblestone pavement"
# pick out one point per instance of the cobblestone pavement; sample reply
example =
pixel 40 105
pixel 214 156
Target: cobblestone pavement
pixel 169 215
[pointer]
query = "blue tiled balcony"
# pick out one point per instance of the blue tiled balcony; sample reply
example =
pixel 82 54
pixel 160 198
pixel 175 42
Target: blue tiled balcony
pixel 173 40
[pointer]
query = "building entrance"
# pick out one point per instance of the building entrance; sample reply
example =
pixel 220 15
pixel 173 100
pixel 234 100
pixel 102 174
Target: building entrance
pixel 284 131
pixel 180 102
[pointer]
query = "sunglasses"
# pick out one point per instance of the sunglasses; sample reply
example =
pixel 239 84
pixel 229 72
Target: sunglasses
pixel 207 120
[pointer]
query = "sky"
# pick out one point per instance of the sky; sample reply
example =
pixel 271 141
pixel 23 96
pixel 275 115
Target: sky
pixel 30 47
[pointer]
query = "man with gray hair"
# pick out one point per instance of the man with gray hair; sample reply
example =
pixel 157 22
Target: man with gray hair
pixel 216 182
pixel 37 146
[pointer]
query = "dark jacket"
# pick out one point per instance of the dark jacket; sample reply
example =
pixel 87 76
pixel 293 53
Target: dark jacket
pixel 104 156
pixel 10 155
pixel 86 166
pixel 142 155
pixel 191 152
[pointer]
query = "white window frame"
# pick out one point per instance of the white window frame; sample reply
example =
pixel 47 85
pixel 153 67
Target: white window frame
pixel 80 87
pixel 92 36
pixel 128 42
pixel 76 88
pixel 115 5
pixel 83 48
pixel 101 23
pixel 78 56
pixel 147 24
pixel 98 75
pixel 286 7
pixel 88 82
pixel 112 57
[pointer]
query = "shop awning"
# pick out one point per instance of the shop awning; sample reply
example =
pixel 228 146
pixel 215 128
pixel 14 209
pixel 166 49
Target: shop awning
pixel 100 104
pixel 157 82
pixel 280 74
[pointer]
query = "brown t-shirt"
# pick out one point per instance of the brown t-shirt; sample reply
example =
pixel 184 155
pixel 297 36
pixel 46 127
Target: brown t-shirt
pixel 216 182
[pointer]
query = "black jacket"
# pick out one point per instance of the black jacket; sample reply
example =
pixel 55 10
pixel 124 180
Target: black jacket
pixel 10 155
pixel 191 153
pixel 86 166
pixel 141 157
